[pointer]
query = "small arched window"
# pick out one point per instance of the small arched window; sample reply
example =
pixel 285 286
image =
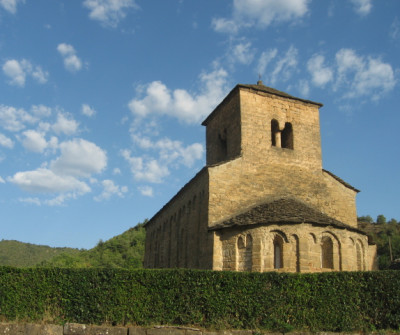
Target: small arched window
pixel 278 252
pixel 327 253
pixel 287 136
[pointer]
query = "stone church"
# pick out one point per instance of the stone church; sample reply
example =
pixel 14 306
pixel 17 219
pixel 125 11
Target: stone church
pixel 263 202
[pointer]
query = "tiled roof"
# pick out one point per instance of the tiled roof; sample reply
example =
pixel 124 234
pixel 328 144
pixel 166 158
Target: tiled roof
pixel 262 88
pixel 283 211
pixel 259 87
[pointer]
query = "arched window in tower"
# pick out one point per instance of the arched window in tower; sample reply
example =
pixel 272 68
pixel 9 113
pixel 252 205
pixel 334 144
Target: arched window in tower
pixel 275 134
pixel 287 136
pixel 327 253
pixel 278 252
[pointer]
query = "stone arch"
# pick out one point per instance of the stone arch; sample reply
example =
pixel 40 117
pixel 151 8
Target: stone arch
pixel 360 263
pixel 330 251
pixel 278 248
pixel 327 252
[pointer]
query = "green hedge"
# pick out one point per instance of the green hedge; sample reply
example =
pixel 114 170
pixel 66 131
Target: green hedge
pixel 336 301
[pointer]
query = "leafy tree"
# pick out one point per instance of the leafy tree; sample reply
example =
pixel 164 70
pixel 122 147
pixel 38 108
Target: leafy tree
pixel 381 219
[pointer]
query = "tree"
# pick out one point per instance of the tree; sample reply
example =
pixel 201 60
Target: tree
pixel 366 218
pixel 381 219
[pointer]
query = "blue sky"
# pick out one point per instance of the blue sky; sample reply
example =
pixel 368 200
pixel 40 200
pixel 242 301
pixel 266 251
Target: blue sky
pixel 101 101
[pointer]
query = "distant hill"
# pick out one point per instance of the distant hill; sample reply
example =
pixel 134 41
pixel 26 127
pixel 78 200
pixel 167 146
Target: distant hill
pixel 19 254
pixel 122 251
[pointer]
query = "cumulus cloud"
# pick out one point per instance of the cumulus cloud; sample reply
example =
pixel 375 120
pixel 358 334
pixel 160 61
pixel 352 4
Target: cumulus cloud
pixel 41 110
pixel 13 119
pixel 168 155
pixel 6 142
pixel 248 13
pixel 146 170
pixel 72 62
pixel 110 189
pixel 34 141
pixel 146 191
pixel 179 103
pixel 362 7
pixel 10 5
pixel 108 12
pixel 65 124
pixel 79 158
pixel 87 110
pixel 364 76
pixel 63 176
pixel 44 180
pixel 321 74
pixel 17 71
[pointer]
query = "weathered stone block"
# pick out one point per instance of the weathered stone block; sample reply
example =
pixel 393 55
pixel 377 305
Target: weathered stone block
pixel 80 329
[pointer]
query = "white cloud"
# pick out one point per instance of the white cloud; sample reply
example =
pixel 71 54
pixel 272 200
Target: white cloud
pixel 71 61
pixel 87 110
pixel 65 124
pixel 321 74
pixel 222 25
pixel 13 119
pixel 189 108
pixel 150 170
pixel 265 58
pixel 243 53
pixel 6 142
pixel 395 29
pixel 116 171
pixel 363 76
pixel 285 66
pixel 41 110
pixel 44 180
pixel 362 7
pixel 172 151
pixel 146 191
pixel 110 189
pixel 13 70
pixel 261 13
pixel 34 141
pixel 108 12
pixel 17 71
pixel 79 158
pixel 2 181
pixel 33 201
pixel 10 5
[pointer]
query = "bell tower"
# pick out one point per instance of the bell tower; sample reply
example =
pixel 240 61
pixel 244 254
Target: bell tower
pixel 264 126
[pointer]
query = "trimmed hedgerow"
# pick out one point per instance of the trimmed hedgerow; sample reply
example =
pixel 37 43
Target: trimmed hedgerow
pixel 336 301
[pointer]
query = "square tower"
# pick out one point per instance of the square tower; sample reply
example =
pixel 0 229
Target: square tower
pixel 264 125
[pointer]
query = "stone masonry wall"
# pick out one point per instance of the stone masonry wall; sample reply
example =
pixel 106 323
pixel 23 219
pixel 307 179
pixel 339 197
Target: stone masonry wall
pixel 264 171
pixel 301 249
pixel 223 132
pixel 177 235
